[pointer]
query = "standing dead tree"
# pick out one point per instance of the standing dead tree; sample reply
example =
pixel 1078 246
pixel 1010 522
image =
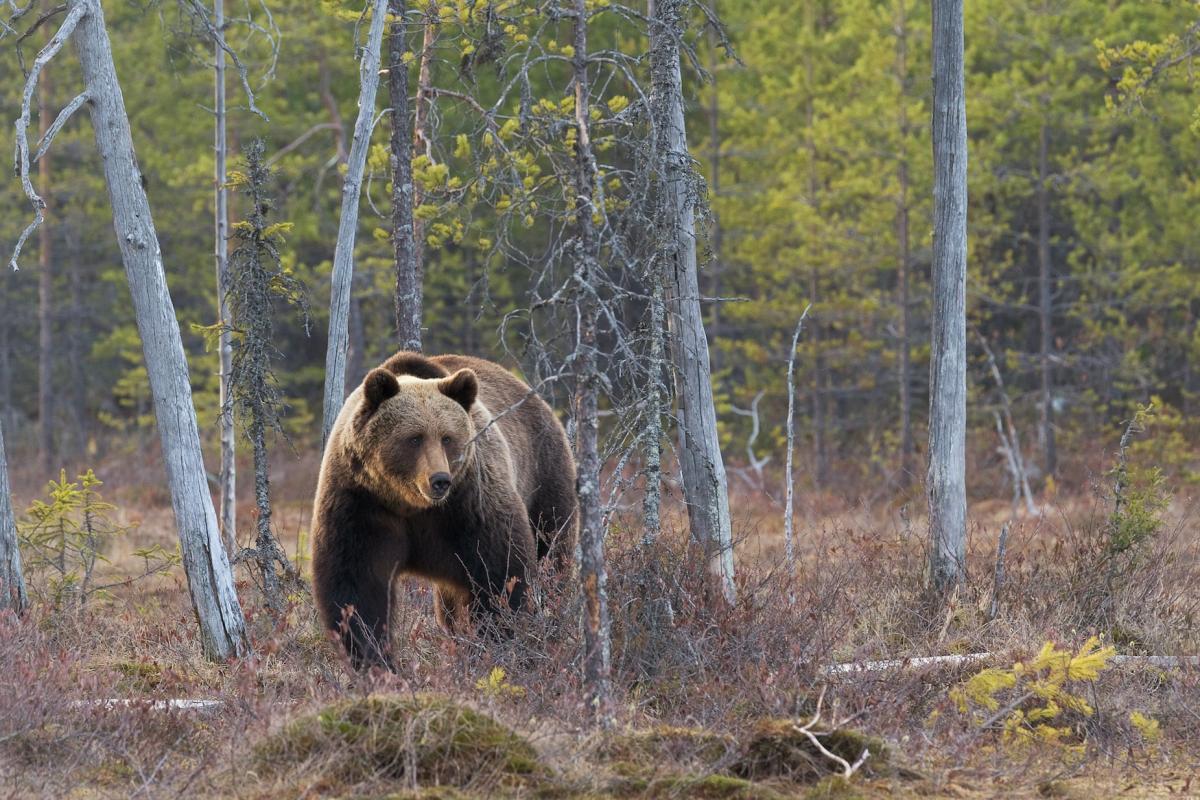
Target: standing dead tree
pixel 593 572
pixel 343 255
pixel 788 510
pixel 1010 441
pixel 12 579
pixel 228 474
pixel 210 580
pixel 706 487
pixel 214 26
pixel 256 281
pixel 947 485
pixel 409 282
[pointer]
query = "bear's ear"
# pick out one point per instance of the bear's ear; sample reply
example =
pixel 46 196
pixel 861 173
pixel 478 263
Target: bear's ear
pixel 462 387
pixel 378 386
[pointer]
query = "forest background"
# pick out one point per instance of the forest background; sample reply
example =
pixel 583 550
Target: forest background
pixel 814 142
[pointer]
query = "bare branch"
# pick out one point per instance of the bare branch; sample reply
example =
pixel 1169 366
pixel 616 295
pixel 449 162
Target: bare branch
pixel 218 36
pixel 59 122
pixel 848 769
pixel 22 125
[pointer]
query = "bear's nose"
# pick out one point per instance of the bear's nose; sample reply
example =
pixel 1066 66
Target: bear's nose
pixel 439 484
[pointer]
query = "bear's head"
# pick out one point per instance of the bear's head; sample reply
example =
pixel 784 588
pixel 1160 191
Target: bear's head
pixel 413 436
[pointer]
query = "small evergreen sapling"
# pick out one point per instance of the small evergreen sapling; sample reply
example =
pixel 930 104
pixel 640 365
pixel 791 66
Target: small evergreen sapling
pixel 257 281
pixel 64 537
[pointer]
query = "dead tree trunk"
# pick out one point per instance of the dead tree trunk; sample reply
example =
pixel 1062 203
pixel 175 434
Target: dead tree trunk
pixel 12 581
pixel 657 402
pixel 593 573
pixel 948 369
pixel 1045 307
pixel 343 256
pixel 210 580
pixel 228 474
pixel 706 487
pixel 408 295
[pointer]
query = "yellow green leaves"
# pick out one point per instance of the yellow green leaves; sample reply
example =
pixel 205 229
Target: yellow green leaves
pixel 1034 701
pixel 462 146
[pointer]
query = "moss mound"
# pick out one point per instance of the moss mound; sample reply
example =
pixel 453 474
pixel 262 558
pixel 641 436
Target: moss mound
pixel 427 741
pixel 776 749
pixel 690 746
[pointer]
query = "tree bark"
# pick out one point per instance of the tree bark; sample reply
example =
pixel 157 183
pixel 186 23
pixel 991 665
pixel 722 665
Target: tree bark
pixel 1045 307
pixel 593 573
pixel 408 296
pixel 907 445
pixel 45 295
pixel 948 368
pixel 706 487
pixel 657 401
pixel 6 415
pixel 228 474
pixel 210 580
pixel 343 256
pixel 12 580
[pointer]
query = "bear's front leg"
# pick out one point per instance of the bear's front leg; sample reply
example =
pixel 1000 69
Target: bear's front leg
pixel 356 555
pixel 499 558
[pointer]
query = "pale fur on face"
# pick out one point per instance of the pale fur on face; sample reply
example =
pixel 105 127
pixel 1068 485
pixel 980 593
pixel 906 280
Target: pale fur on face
pixel 412 436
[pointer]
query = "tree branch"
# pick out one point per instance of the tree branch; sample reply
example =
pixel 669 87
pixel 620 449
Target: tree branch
pixel 21 157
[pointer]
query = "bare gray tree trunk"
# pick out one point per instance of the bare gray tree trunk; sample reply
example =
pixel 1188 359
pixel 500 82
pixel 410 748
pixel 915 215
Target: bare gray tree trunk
pixel 1045 307
pixel 228 475
pixel 593 573
pixel 657 400
pixel 12 581
pixel 789 506
pixel 706 488
pixel 408 296
pixel 343 255
pixel 948 369
pixel 210 580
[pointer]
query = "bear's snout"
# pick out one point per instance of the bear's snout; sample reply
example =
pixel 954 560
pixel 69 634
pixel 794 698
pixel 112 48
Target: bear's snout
pixel 439 484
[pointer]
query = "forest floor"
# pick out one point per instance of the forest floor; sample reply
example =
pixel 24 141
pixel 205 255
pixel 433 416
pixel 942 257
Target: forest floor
pixel 707 701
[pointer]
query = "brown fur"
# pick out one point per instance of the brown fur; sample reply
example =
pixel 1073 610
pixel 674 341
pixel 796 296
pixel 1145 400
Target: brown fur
pixel 416 423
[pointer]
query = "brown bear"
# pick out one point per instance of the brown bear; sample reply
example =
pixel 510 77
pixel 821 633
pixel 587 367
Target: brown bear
pixel 448 468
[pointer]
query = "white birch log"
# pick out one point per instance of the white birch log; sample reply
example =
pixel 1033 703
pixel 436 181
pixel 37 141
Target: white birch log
pixel 706 487
pixel 948 367
pixel 210 580
pixel 343 256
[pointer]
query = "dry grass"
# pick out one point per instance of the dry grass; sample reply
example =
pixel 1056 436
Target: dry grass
pixel 704 694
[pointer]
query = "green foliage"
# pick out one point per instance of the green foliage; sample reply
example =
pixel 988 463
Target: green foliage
pixel 810 147
pixel 1035 701
pixel 1139 496
pixel 64 537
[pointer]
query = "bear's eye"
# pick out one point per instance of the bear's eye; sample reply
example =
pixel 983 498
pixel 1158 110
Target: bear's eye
pixel 415 441
pixel 447 441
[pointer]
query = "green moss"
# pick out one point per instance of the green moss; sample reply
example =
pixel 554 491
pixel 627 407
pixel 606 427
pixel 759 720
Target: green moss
pixel 835 787
pixel 776 749
pixel 687 746
pixel 429 740
pixel 704 787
